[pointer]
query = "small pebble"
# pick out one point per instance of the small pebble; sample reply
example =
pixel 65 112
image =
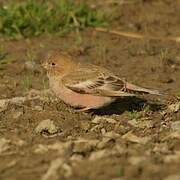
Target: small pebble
pixel 175 126
pixel 174 108
pixel 46 126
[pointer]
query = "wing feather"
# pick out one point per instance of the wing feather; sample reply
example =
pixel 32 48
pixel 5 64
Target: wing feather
pixel 93 81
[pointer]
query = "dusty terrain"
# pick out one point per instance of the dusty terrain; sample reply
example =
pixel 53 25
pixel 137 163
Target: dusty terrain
pixel 135 138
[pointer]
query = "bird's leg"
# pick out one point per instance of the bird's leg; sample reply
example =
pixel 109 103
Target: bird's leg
pixel 83 109
pixel 124 87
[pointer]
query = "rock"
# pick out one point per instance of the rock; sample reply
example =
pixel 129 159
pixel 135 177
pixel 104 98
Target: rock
pixel 52 172
pixel 97 120
pixel 108 138
pixel 38 108
pixel 96 128
pixel 46 126
pixel 83 145
pixel 4 145
pixel 163 113
pixel 3 105
pixel 135 139
pixel 175 126
pixel 85 125
pixel 103 131
pixel 161 148
pixel 141 124
pixel 61 147
pixel 173 135
pixel 76 158
pixel 110 120
pixel 172 158
pixel 19 142
pixel 111 134
pixel 174 108
pixel 17 114
pixel 146 124
pixel 135 160
pixel 133 122
pixel 15 100
pixel 67 170
pixel 41 149
pixel 98 154
pixel 104 143
pixel 100 119
pixel 173 177
pixel 119 149
pixel 11 164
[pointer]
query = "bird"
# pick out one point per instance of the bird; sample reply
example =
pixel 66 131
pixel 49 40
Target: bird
pixel 86 86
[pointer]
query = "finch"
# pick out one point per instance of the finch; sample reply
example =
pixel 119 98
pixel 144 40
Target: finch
pixel 87 86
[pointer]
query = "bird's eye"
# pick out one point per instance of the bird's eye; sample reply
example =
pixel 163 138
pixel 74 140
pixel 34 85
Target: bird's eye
pixel 53 64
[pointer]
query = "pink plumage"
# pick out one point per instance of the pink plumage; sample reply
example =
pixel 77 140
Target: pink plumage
pixel 85 85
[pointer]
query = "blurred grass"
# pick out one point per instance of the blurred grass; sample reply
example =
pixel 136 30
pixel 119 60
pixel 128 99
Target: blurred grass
pixel 27 82
pixel 32 18
pixel 3 59
pixel 133 115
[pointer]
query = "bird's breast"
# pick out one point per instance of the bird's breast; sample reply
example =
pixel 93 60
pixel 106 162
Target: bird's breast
pixel 80 100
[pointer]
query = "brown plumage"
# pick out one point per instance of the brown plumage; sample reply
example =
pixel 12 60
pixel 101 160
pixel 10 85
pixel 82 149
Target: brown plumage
pixel 85 85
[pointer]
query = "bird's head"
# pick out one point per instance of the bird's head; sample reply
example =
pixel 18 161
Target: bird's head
pixel 58 64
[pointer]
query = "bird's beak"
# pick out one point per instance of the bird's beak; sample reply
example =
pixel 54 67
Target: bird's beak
pixel 45 65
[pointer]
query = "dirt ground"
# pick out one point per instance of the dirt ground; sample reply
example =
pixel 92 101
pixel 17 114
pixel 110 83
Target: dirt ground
pixel 134 138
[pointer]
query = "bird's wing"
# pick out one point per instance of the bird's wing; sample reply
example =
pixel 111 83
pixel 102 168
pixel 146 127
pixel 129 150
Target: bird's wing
pixel 92 80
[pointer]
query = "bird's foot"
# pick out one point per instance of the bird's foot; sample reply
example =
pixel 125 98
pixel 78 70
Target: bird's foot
pixel 83 109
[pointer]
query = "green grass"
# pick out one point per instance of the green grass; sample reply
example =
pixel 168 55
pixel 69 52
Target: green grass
pixel 3 59
pixel 45 83
pixel 30 55
pixel 133 115
pixel 120 172
pixel 32 18
pixel 27 82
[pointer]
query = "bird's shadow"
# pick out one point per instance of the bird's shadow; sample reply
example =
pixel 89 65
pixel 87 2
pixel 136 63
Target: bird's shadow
pixel 127 104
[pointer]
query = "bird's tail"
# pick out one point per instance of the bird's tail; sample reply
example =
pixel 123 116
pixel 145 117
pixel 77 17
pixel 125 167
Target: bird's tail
pixel 131 88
